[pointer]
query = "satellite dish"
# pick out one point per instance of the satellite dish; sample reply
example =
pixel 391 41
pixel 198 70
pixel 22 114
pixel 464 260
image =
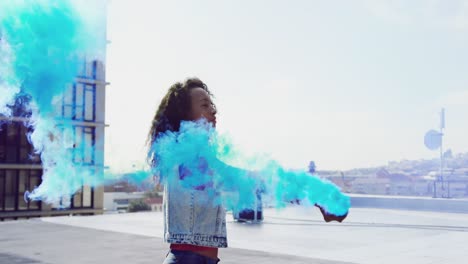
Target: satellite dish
pixel 433 139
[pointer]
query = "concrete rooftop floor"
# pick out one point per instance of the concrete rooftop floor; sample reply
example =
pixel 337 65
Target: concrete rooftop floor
pixel 291 235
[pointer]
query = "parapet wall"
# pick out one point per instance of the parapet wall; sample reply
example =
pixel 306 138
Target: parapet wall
pixel 410 203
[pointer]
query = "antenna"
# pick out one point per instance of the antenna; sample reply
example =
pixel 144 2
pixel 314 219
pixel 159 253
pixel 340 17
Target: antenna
pixel 442 126
pixel 433 141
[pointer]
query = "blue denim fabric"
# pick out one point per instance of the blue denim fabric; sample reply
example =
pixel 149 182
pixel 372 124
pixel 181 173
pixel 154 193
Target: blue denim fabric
pixel 192 217
pixel 187 257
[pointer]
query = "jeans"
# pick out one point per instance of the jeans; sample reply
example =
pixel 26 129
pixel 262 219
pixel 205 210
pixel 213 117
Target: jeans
pixel 187 257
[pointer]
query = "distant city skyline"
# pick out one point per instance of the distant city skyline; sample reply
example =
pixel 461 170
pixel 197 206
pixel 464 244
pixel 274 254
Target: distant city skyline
pixel 347 84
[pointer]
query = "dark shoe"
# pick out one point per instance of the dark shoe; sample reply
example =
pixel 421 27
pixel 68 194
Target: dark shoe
pixel 331 217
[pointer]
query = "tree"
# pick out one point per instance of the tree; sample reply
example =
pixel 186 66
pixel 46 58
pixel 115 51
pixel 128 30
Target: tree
pixel 138 205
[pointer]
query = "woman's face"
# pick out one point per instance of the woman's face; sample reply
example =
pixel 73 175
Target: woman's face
pixel 202 106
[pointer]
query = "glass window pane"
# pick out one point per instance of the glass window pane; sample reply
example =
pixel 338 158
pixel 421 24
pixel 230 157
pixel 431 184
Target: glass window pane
pixel 68 101
pixel 11 154
pixel 2 153
pixel 77 199
pixel 78 154
pixel 2 142
pixel 90 69
pixel 65 202
pixel 24 154
pixel 86 196
pixel 23 185
pixel 89 104
pixel 95 69
pixel 34 205
pixel 2 132
pixel 2 188
pixel 12 133
pixel 88 151
pixel 79 100
pixel 10 190
pixel 35 181
pixel 79 103
pixel 22 204
pixel 79 113
pixel 68 111
pixel 11 130
pixel 68 95
pixel 24 136
pixel 23 181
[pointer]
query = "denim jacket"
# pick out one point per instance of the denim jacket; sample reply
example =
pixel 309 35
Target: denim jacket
pixel 192 217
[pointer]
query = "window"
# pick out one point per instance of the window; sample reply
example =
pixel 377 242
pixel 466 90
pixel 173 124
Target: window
pixel 84 145
pixel 83 198
pixel 68 102
pixel 24 147
pixel 12 136
pixel 90 102
pixel 14 144
pixel 2 190
pixel 26 150
pixel 10 190
pixel 23 186
pixel 88 69
pixel 35 179
pixel 121 201
pixel 78 199
pixel 13 185
pixel 2 143
pixel 28 181
pixel 79 102
pixel 87 196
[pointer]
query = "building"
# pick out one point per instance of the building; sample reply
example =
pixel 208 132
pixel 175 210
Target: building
pixel 119 195
pixel 120 201
pixel 21 170
pixel 451 186
pixel 370 185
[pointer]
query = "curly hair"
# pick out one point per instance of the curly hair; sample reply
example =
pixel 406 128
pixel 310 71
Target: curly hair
pixel 174 108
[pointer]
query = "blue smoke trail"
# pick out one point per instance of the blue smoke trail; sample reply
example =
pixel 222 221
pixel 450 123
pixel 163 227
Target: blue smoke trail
pixel 42 45
pixel 9 84
pixel 199 157
pixel 44 41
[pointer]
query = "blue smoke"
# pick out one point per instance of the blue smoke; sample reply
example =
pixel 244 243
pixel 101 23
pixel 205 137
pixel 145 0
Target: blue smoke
pixel 199 157
pixel 43 43
pixel 46 40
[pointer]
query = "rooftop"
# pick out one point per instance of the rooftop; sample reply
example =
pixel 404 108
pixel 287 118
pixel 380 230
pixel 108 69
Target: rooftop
pixel 291 235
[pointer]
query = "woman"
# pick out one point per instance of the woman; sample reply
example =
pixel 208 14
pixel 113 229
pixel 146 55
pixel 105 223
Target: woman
pixel 195 224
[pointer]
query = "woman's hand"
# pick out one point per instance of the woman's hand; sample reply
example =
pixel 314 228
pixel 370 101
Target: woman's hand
pixel 331 217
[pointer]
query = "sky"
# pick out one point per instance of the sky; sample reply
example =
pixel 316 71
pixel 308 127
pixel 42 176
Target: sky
pixel 348 84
